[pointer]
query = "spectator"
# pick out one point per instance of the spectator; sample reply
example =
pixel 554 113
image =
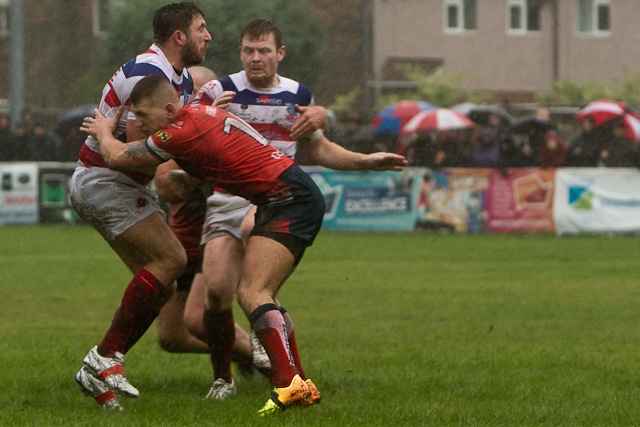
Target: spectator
pixel 533 142
pixel 21 148
pixel 28 120
pixel 585 146
pixel 419 151
pixel 459 148
pixel 509 155
pixel 617 150
pixel 485 151
pixel 42 145
pixel 446 142
pixel 553 153
pixel 6 139
pixel 495 123
pixel 71 144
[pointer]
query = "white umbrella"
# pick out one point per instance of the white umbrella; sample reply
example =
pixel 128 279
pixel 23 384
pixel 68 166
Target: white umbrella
pixel 437 119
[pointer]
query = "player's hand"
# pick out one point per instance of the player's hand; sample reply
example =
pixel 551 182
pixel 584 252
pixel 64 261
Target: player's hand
pixel 310 120
pixel 100 125
pixel 385 162
pixel 224 99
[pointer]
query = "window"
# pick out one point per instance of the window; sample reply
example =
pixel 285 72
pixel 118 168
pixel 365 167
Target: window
pixel 459 15
pixel 4 18
pixel 594 16
pixel 523 16
pixel 101 9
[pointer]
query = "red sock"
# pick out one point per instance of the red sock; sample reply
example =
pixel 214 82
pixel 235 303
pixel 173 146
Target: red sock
pixel 293 345
pixel 220 335
pixel 141 303
pixel 269 326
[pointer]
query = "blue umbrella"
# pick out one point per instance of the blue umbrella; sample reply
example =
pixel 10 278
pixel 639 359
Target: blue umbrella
pixel 392 118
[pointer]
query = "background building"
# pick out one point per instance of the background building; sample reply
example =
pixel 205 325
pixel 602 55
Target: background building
pixel 513 48
pixel 510 47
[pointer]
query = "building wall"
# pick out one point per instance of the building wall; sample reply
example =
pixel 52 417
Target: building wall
pixel 601 59
pixel 493 59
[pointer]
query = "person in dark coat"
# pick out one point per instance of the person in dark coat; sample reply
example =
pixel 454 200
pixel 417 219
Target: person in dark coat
pixel 485 152
pixel 617 151
pixel 585 146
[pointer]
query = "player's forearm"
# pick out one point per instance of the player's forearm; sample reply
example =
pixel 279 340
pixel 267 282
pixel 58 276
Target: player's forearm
pixel 112 151
pixel 331 155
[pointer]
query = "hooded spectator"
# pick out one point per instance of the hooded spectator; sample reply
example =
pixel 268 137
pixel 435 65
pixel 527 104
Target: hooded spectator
pixel 486 150
pixel 553 153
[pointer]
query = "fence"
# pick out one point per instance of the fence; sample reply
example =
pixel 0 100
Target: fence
pixel 561 201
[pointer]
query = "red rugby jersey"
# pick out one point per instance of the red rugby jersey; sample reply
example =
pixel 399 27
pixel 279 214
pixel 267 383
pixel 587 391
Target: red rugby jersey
pixel 215 146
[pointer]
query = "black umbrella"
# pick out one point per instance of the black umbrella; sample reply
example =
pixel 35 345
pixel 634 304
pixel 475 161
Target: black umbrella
pixel 523 124
pixel 480 113
pixel 73 117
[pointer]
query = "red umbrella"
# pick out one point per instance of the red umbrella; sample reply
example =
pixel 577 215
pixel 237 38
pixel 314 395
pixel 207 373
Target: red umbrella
pixel 632 125
pixel 437 119
pixel 602 111
pixel 393 117
pixel 605 110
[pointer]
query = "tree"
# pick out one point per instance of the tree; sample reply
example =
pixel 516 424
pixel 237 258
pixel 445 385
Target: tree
pixel 129 32
pixel 433 87
pixel 567 92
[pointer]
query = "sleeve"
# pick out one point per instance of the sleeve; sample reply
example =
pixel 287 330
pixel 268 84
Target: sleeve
pixel 208 93
pixel 155 143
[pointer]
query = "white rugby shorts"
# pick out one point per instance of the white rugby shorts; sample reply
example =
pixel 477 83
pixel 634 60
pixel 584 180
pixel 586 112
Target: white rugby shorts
pixel 110 201
pixel 224 216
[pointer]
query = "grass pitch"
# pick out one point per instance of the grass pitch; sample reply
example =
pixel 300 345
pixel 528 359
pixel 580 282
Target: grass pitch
pixel 402 330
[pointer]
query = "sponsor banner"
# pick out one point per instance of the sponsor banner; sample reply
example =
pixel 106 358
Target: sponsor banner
pixel 597 200
pixel 453 200
pixel 18 193
pixel 521 200
pixel 55 205
pixel 377 201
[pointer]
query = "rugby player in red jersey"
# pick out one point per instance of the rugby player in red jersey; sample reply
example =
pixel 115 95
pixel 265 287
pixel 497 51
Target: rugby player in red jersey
pixel 218 147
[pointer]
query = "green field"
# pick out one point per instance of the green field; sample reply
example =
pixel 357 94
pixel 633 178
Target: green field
pixel 396 330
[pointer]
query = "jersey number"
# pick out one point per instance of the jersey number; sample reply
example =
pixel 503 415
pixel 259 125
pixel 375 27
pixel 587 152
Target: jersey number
pixel 230 122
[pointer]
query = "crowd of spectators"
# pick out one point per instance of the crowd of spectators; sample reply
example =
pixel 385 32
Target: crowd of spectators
pixel 496 145
pixel 493 145
pixel 30 140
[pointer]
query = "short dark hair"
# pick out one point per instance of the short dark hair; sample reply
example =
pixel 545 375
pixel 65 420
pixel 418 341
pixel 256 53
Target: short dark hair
pixel 261 27
pixel 148 87
pixel 172 17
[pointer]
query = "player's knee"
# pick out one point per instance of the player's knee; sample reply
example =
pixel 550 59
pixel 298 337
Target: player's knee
pixel 193 323
pixel 218 298
pixel 175 261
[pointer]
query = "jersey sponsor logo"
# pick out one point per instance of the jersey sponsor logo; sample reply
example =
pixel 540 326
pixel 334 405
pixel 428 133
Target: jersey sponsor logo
pixel 264 99
pixel 211 111
pixel 277 155
pixel 292 114
pixel 163 136
pixel 267 100
pixel 244 115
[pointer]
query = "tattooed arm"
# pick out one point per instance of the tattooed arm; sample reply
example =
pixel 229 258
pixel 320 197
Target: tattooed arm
pixel 116 154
